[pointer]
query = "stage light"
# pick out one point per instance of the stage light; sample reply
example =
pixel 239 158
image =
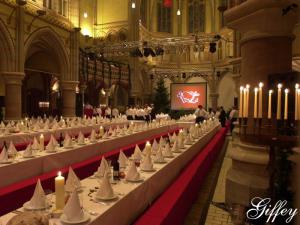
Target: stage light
pixel 212 47
pixel 133 5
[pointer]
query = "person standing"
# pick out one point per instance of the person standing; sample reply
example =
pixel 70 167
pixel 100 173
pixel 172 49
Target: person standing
pixel 200 114
pixel 222 116
pixel 233 116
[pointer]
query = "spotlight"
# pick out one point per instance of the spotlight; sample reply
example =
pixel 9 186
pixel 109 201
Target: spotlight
pixel 149 51
pixel 136 52
pixel 159 51
pixel 212 47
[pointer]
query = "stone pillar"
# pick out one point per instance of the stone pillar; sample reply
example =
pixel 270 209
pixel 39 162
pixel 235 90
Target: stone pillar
pixel 69 97
pixel 13 95
pixel 20 24
pixel 214 100
pixel 266 48
pixel 107 95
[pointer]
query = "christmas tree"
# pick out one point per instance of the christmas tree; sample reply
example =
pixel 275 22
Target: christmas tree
pixel 161 98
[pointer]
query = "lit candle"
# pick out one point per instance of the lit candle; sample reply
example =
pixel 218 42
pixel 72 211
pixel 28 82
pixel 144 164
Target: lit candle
pixel 279 86
pixel 270 104
pixel 260 100
pixel 296 101
pixel 148 148
pixel 60 191
pixel 42 142
pixel 101 131
pixel 245 103
pixel 241 102
pixel 286 103
pixel 255 102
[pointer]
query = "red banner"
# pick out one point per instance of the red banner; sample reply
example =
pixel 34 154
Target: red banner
pixel 168 3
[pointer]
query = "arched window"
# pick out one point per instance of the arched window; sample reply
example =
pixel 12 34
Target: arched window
pixel 196 15
pixel 164 17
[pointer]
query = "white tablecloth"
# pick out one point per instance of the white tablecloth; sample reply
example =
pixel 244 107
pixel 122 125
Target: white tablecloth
pixel 45 162
pixel 133 198
pixel 20 138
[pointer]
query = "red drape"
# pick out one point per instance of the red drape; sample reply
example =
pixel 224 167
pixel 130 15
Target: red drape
pixel 168 3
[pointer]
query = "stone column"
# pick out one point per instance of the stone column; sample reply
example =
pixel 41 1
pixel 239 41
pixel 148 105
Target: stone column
pixel 69 97
pixel 107 95
pixel 266 48
pixel 214 100
pixel 13 95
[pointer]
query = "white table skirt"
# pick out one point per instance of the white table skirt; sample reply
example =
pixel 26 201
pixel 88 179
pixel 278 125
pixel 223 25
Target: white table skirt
pixel 45 162
pixel 20 138
pixel 134 198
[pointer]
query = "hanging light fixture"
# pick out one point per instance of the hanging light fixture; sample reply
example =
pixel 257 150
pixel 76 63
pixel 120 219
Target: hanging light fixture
pixel 133 5
pixel 85 15
pixel 178 12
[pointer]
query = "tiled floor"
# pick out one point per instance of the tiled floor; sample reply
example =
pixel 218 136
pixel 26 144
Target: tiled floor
pixel 215 215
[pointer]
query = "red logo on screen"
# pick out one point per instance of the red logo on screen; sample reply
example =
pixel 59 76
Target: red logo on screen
pixel 188 96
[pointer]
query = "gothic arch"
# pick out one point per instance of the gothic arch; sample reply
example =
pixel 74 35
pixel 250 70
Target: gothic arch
pixel 45 39
pixel 7 59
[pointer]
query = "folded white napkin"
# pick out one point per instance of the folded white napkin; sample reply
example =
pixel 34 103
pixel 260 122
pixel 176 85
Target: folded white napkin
pixel 137 155
pixel 174 137
pixel 46 127
pixel 55 126
pixel 80 138
pixel 53 139
pixel 188 140
pixel 175 147
pixel 122 159
pixel 35 144
pixel 105 190
pixel 50 146
pixel 132 173
pixel 2 125
pixel 73 182
pixel 36 127
pixel 67 141
pixel 28 151
pixel 162 142
pixel 122 132
pixel 147 163
pixel 12 149
pixel 103 168
pixel 4 155
pixel 110 130
pixel 73 210
pixel 159 157
pixel 38 200
pixel 180 141
pixel 118 129
pixel 155 146
pixel 167 151
pixel 93 136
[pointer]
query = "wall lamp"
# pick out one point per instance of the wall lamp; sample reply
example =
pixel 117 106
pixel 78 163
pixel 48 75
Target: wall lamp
pixel 40 13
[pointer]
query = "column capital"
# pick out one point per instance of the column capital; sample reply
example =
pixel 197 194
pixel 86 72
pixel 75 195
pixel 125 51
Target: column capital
pixel 13 77
pixel 261 19
pixel 69 85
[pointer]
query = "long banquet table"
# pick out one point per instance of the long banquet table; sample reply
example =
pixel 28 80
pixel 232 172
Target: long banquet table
pixel 46 162
pixel 22 137
pixel 133 198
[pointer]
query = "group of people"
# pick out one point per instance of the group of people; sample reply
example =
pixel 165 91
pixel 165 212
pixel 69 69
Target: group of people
pixel 201 114
pixel 139 113
pixel 101 110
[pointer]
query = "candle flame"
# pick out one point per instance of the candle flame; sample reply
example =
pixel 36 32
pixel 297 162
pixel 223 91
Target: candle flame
pixel 297 86
pixel 59 173
pixel 41 136
pixel 255 89
pixel 247 86
pixel 147 143
pixel 241 88
pixel 261 84
pixel 270 91
pixel 279 86
pixel 286 90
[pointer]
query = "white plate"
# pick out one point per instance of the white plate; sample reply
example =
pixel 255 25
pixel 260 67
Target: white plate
pixel 135 181
pixel 152 170
pixel 86 217
pixel 50 151
pixel 29 157
pixel 80 189
pixel 28 207
pixel 106 199
pixel 7 162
